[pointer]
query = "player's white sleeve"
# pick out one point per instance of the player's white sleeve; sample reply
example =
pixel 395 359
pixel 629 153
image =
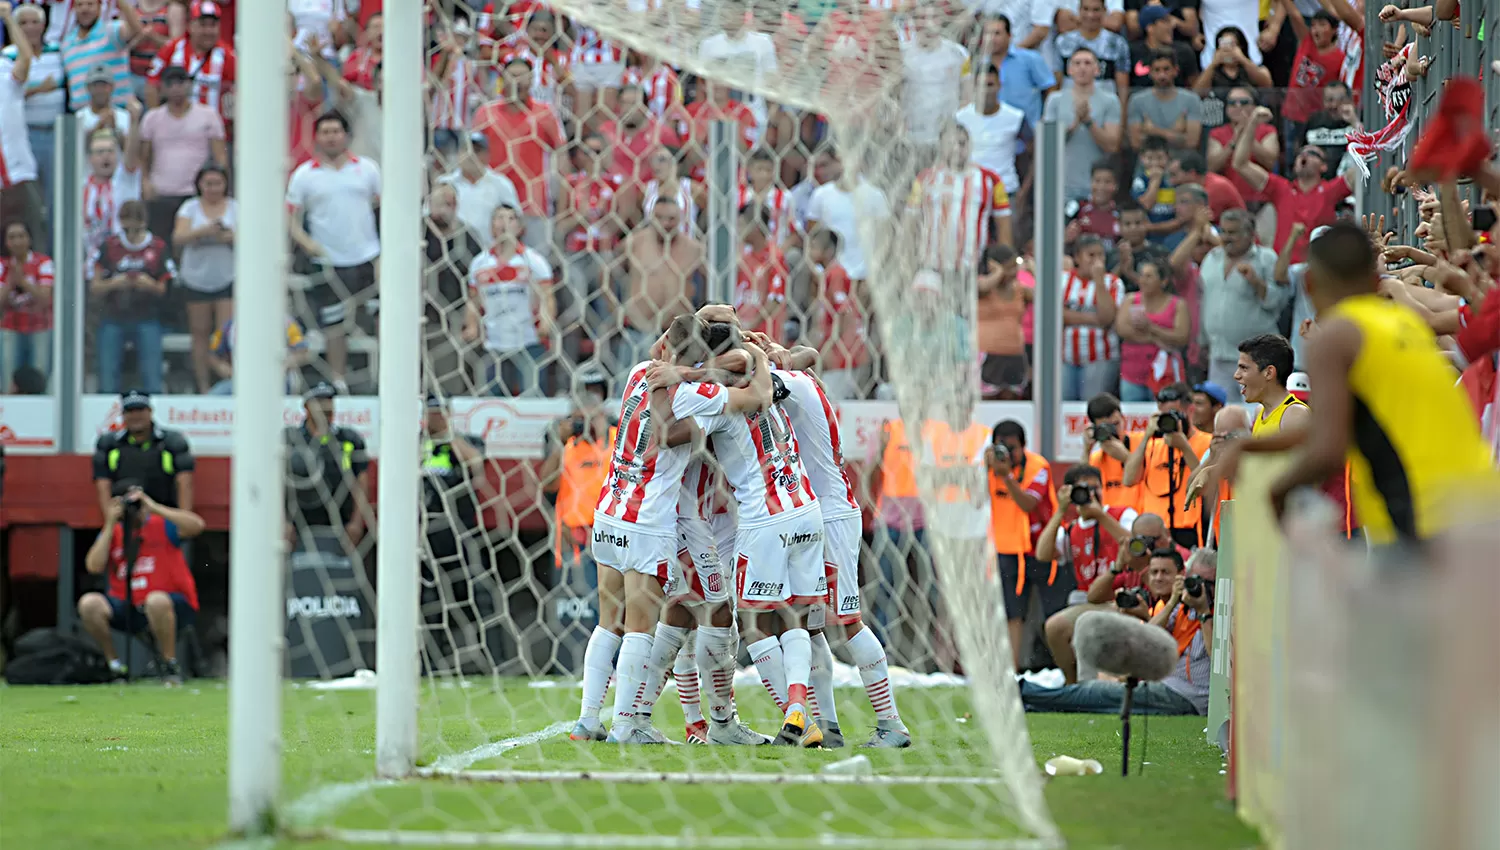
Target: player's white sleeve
pixel 698 400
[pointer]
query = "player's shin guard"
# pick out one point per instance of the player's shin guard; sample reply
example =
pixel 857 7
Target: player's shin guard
pixel 664 649
pixel 823 707
pixel 796 648
pixel 767 655
pixel 685 673
pixel 717 648
pixel 630 689
pixel 598 665
pixel 869 656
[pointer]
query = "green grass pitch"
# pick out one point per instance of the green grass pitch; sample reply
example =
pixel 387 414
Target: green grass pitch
pixel 143 768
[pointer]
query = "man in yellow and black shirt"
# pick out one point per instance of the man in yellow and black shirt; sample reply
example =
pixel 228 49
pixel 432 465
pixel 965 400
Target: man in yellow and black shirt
pixel 159 458
pixel 1387 401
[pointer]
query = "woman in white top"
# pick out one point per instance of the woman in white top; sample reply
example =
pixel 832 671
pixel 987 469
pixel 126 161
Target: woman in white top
pixel 667 181
pixel 46 97
pixel 205 232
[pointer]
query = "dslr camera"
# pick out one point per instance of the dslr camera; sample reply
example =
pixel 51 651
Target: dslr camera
pixel 1081 496
pixel 1002 451
pixel 1169 422
pixel 1193 585
pixel 1130 597
pixel 132 512
pixel 1140 546
pixel 1104 431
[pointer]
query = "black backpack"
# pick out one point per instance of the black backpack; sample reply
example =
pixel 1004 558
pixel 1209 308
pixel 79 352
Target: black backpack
pixel 51 657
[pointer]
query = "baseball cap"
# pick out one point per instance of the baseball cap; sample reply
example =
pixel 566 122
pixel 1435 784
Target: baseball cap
pixel 205 9
pixel 1213 391
pixel 1152 14
pixel 99 74
pixel 321 391
pixel 135 400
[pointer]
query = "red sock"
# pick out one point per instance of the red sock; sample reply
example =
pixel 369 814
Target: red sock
pixel 796 695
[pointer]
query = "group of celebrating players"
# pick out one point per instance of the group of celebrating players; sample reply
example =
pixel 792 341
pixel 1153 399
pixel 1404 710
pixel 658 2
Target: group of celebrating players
pixel 712 401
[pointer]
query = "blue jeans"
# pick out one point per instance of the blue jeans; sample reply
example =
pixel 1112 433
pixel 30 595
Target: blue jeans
pixel 1135 392
pixel 109 341
pixel 43 143
pixel 19 349
pixel 892 548
pixel 513 373
pixel 1104 697
pixel 1081 383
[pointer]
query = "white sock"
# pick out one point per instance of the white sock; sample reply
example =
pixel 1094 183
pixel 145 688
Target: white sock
pixel 766 655
pixel 598 666
pixel 685 673
pixel 630 690
pixel 664 649
pixel 821 680
pixel 796 648
pixel 717 648
pixel 869 656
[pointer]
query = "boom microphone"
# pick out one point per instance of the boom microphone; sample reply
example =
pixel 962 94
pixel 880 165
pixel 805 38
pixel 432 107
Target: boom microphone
pixel 1121 644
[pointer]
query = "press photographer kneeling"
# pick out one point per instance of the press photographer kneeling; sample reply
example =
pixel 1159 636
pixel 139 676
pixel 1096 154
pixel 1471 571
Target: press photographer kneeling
pixel 150 585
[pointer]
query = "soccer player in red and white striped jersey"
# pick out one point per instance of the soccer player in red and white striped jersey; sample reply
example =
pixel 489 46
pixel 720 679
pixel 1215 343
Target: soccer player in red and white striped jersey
pixel 1091 296
pixel 958 203
pixel 760 190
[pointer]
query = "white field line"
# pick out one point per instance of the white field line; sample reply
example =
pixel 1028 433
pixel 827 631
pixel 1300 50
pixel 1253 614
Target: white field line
pixel 460 761
pixel 640 777
pixel 411 838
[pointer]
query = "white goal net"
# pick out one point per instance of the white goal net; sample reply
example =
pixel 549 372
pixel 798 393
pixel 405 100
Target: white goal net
pixel 595 170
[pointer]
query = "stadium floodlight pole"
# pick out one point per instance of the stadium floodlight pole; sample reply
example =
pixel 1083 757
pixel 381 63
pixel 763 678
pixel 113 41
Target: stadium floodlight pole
pixel 257 626
pixel 723 215
pixel 400 391
pixel 1049 252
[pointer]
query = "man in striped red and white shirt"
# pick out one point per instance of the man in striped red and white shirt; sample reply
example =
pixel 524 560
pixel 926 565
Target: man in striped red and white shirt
pixel 1091 297
pixel 759 190
pixel 760 285
pixel 209 60
pixel 598 67
pixel 958 203
pixel 660 85
pixel 550 78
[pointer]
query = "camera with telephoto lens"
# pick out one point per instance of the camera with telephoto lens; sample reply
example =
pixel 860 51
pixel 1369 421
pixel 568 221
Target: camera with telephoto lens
pixel 1002 452
pixel 1081 496
pixel 131 515
pixel 1129 598
pixel 1104 431
pixel 1169 422
pixel 1193 585
pixel 577 426
pixel 1140 546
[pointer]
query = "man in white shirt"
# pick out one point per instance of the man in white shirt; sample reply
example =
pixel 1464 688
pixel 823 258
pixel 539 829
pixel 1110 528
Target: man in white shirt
pixel 997 130
pixel 833 206
pixel 932 70
pixel 101 110
pixel 19 198
pixel 481 190
pixel 742 51
pixel 512 308
pixel 339 194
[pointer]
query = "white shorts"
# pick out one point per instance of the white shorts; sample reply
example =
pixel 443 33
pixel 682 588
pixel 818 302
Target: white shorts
pixel 781 562
pixel 724 528
pixel 841 538
pixel 699 575
pixel 589 76
pixel 630 548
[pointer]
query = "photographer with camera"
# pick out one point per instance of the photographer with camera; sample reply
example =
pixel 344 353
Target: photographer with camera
pixel 1182 605
pixel 1107 447
pixel 1021 503
pixel 150 585
pixel 1163 460
pixel 1094 532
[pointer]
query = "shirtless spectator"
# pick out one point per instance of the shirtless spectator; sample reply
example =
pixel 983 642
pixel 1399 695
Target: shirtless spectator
pixel 663 263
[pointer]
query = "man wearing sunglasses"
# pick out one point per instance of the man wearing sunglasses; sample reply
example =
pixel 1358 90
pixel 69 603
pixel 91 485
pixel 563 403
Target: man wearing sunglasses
pixel 1164 458
pixel 1307 198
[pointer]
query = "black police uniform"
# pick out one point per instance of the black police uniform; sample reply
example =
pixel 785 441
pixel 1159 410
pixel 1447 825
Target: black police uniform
pixel 454 605
pixel 154 461
pixel 322 476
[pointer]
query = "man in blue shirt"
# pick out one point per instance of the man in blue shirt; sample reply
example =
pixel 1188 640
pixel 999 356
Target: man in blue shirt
pixel 1024 76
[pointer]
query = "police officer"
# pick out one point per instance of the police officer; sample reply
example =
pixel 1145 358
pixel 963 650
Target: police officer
pixel 159 458
pixel 454 467
pixel 455 602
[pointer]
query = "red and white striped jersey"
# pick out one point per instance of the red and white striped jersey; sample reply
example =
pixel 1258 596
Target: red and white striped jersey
pixel 816 424
pixel 590 48
pixel 644 476
pixel 455 95
pixel 1085 344
pixel 684 197
pixel 761 459
pixel 661 87
pixel 213 74
pixel 548 67
pixel 956 205
pixel 778 202
pixel 702 493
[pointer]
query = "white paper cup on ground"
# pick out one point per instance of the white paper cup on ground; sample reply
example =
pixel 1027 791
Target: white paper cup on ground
pixel 1069 766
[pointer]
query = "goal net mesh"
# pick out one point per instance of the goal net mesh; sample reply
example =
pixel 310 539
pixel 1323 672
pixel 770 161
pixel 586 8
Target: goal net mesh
pixel 534 315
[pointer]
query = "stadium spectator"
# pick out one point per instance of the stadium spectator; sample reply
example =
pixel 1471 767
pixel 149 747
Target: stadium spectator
pixel 1167 111
pixel 209 61
pixel 363 107
pixel 178 139
pixel 662 263
pixel 551 80
pixel 668 181
pixel 1241 298
pixel 204 235
pixel 480 189
pixel 1133 248
pixel 512 310
pixel 19 198
pixel 1152 188
pixel 1188 167
pixel 522 134
pixel 1111 51
pixel 158 459
pixel 591 220
pixel 46 94
pixel 26 380
pixel 1153 328
pixel 901 532
pixel 150 585
pixel 90 41
pixel 100 111
pixel 637 132
pixel 833 205
pixel 740 51
pixel 1162 459
pixel 1191 214
pixel 1098 216
pixel 1005 369
pixel 1265 144
pixel 1307 199
pixel 453 484
pixel 320 21
pixel 717 103
pixel 361 63
pixel 1208 399
pixel 761 281
pixel 161 22
pixel 1091 297
pixel 839 321
pixel 113 181
pixel 1024 76
pixel 1157 26
pixel 1229 66
pixel 578 447
pixel 1092 117
pixel 26 287
pixel 932 70
pixel 131 272
pixel 1317 63
pixel 450 247
pixel 1022 500
pixel 998 130
pixel 1330 126
pixel 1186 616
pixel 221 357
pixel 337 194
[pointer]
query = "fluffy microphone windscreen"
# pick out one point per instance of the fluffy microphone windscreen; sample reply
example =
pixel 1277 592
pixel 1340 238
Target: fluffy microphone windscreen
pixel 1121 644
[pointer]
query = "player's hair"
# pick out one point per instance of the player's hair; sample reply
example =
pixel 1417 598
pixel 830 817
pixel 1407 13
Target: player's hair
pixel 1008 428
pixel 1345 257
pixel 687 339
pixel 1080 472
pixel 1191 162
pixel 721 337
pixel 1102 406
pixel 1270 350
